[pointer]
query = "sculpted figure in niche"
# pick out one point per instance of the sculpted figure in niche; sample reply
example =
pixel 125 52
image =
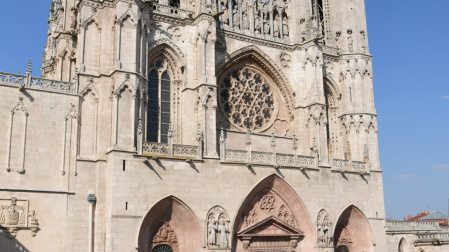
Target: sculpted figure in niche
pixel 235 17
pixel 245 21
pixel 225 16
pixel 350 41
pixel 257 24
pixel 216 226
pixel 323 228
pixel 211 231
pixel 73 19
pixel 222 233
pixel 266 24
pixel 285 30
pixel 276 28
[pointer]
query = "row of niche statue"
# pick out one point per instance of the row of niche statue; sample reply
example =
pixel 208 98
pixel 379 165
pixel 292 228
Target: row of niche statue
pixel 260 26
pixel 217 233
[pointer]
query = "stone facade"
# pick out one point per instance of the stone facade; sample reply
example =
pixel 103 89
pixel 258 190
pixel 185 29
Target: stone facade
pixel 194 125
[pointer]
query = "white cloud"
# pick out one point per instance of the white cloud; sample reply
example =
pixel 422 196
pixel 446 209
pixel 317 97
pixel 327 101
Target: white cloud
pixel 446 97
pixel 440 168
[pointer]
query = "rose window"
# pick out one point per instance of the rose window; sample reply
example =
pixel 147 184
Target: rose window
pixel 247 100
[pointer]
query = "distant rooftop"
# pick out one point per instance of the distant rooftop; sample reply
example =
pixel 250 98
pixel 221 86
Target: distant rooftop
pixel 429 216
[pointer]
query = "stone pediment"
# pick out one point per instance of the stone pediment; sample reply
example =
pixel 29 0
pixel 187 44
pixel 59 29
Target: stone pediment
pixel 271 226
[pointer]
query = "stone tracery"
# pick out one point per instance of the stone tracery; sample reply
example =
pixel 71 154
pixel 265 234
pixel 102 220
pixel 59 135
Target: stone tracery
pixel 247 99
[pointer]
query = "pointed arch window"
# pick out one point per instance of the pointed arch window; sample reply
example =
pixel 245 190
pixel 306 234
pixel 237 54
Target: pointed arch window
pixel 158 108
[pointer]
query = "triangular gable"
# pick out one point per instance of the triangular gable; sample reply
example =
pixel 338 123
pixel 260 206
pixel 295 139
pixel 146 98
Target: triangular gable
pixel 270 226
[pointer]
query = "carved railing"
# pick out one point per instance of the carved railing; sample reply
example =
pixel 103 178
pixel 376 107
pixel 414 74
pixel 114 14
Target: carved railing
pixel 346 165
pixel 433 236
pixel 170 10
pixel 12 79
pixel 53 85
pixel 272 158
pixel 285 159
pixel 24 81
pixel 185 150
pixel 258 157
pixel 236 155
pixel 155 148
pixel 396 226
pixel 267 158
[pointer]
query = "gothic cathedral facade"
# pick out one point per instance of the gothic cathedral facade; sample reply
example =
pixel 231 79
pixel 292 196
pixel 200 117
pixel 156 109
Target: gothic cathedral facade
pixel 194 125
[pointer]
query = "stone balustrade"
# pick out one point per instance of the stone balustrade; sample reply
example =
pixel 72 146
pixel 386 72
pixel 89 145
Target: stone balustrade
pixel 397 226
pixel 352 166
pixel 172 150
pixel 271 158
pixel 170 10
pixel 26 81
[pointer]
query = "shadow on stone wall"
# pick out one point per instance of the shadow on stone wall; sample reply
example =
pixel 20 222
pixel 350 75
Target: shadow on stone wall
pixel 10 244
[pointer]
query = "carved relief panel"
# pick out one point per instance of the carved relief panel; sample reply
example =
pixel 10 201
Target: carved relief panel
pixel 324 229
pixel 165 236
pixel 216 228
pixel 15 216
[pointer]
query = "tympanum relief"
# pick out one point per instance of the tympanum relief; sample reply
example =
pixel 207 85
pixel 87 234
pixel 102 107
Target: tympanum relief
pixel 165 236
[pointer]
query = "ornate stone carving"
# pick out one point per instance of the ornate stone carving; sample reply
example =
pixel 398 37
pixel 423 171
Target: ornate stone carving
pixel 15 216
pixel 267 203
pixel 350 41
pixel 217 227
pixel 247 99
pixel 165 235
pixel 286 60
pixel 324 227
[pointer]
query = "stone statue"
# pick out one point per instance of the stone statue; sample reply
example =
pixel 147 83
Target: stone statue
pixel 266 24
pixel 222 233
pixel 350 41
pixel 257 24
pixel 285 30
pixel 211 231
pixel 323 228
pixel 235 17
pixel 276 28
pixel 225 16
pixel 245 21
pixel 73 19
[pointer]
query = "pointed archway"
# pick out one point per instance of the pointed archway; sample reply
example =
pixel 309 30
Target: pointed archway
pixel 353 231
pixel 170 223
pixel 272 218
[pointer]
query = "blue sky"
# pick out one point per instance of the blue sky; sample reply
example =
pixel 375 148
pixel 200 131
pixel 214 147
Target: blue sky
pixel 410 47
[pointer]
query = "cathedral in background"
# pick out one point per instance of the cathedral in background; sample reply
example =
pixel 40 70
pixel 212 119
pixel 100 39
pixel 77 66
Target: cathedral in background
pixel 198 125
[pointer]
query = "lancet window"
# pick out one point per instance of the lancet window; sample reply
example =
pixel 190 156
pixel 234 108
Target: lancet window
pixel 158 107
pixel 264 19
